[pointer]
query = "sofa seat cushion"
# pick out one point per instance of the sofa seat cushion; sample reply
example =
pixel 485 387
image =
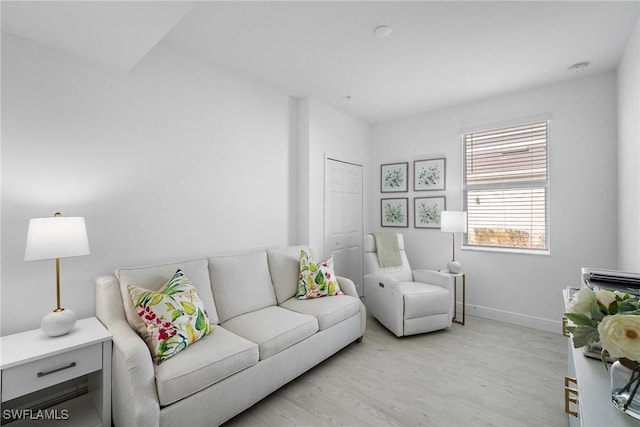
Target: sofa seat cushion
pixel 329 310
pixel 273 328
pixel 214 358
pixel 422 299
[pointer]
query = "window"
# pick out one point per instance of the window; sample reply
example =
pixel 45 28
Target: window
pixel 505 187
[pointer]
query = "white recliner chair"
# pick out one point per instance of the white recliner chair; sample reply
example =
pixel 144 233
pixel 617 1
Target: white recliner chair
pixel 405 301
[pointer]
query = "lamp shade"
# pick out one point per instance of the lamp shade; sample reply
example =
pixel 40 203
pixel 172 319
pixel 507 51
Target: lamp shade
pixel 453 221
pixel 56 237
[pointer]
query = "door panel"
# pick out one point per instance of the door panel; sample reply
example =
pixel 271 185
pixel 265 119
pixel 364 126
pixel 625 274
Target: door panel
pixel 344 219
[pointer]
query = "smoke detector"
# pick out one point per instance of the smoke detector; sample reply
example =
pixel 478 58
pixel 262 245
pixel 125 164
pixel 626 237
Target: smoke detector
pixel 382 31
pixel 578 68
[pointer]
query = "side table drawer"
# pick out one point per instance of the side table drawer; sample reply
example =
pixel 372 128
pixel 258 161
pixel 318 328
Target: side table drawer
pixel 23 379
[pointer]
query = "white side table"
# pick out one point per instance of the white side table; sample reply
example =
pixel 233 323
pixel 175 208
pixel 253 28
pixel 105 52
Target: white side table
pixel 31 361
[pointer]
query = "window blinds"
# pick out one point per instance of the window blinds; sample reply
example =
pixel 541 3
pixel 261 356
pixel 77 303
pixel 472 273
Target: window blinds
pixel 505 187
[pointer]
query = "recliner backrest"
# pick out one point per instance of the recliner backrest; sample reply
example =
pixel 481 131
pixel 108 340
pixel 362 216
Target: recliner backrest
pixel 402 273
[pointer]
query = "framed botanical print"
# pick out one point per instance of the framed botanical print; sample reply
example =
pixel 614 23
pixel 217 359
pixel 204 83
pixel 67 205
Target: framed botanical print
pixel 394 212
pixel 394 177
pixel 426 211
pixel 429 174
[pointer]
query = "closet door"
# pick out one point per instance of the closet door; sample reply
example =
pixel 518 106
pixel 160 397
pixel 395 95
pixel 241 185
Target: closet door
pixel 344 219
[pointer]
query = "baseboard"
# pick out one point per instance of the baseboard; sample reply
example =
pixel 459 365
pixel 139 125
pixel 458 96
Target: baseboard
pixel 514 318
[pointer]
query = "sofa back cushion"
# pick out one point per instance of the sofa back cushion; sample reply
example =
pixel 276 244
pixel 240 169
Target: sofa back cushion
pixel 154 277
pixel 241 283
pixel 284 266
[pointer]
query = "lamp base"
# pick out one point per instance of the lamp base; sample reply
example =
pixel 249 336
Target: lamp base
pixel 454 267
pixel 58 322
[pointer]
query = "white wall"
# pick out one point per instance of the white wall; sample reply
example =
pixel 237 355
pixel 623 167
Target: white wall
pixel 629 155
pixel 523 289
pixel 175 159
pixel 325 131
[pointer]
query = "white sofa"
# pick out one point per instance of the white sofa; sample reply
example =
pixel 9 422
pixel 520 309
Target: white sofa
pixel 263 338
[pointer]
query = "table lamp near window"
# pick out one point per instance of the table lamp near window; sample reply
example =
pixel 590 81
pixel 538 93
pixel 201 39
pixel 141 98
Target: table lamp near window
pixel 453 222
pixel 54 238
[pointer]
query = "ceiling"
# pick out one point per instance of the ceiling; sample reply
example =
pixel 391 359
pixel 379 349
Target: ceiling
pixel 439 53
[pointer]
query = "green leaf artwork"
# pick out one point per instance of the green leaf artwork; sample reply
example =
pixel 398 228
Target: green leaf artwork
pixel 429 176
pixel 393 213
pixel 394 179
pixel 428 213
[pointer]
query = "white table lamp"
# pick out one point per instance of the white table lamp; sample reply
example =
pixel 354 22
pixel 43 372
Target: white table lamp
pixel 54 238
pixel 453 222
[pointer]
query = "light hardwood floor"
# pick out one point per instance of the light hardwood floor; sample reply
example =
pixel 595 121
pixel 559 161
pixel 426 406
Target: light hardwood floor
pixel 484 373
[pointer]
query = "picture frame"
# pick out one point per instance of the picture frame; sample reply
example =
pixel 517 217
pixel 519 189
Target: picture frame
pixel 394 177
pixel 394 212
pixel 426 211
pixel 429 174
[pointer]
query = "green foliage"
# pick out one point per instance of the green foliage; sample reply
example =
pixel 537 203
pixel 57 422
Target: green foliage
pixel 201 321
pixel 506 237
pixel 428 214
pixel 429 176
pixel 188 307
pixel 394 178
pixel 393 214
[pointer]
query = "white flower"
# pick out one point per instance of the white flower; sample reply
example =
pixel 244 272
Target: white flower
pixel 605 297
pixel 622 295
pixel 620 335
pixel 581 302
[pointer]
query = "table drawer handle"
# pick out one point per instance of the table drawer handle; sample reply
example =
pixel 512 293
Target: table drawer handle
pixel 381 284
pixel 565 323
pixel 568 393
pixel 62 368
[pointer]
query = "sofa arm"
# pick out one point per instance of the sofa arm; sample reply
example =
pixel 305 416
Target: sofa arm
pixel 385 301
pixel 134 396
pixel 109 307
pixel 347 286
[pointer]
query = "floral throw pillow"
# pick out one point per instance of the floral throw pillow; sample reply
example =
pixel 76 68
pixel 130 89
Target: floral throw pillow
pixel 174 316
pixel 316 279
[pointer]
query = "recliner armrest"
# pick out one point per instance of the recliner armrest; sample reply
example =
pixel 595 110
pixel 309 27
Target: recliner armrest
pixel 384 298
pixel 383 281
pixel 432 277
pixel 437 278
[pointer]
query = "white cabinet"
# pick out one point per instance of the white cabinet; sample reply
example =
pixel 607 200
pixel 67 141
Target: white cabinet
pixel 594 394
pixel 593 385
pixel 32 361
